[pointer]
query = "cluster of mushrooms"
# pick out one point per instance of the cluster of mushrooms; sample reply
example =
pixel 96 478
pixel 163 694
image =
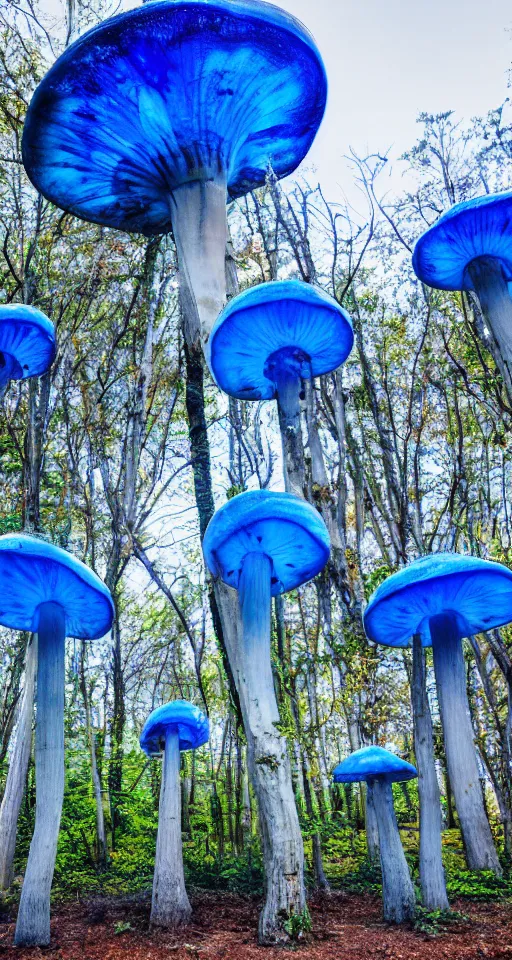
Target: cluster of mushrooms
pixel 150 123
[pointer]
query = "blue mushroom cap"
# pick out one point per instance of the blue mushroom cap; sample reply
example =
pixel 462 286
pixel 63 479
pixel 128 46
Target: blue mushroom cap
pixel 33 572
pixel 28 336
pixel 478 592
pixel 282 526
pixel 476 228
pixel 270 318
pixel 183 718
pixel 372 762
pixel 171 92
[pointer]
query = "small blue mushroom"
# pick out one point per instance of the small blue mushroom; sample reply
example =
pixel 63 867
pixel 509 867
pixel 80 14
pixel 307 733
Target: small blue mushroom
pixel 153 118
pixel 176 726
pixel 45 590
pixel 445 597
pixel 269 338
pixel 470 248
pixel 263 544
pixel 27 343
pixel 379 768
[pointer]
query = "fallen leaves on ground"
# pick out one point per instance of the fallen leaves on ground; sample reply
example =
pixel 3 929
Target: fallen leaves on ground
pixel 345 927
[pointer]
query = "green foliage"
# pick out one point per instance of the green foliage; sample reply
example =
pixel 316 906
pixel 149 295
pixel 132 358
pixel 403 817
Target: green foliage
pixel 433 922
pixel 483 886
pixel 298 925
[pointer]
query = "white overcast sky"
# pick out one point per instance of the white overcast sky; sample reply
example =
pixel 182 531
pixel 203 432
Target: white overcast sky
pixel 388 60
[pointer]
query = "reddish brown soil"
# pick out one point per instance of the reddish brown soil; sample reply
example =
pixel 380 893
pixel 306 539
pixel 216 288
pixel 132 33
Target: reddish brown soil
pixel 345 927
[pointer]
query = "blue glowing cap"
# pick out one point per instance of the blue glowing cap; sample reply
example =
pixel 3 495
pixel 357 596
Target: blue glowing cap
pixel 183 718
pixel 27 336
pixel 372 762
pixel 478 591
pixel 476 228
pixel 171 92
pixel 33 572
pixel 284 527
pixel 266 323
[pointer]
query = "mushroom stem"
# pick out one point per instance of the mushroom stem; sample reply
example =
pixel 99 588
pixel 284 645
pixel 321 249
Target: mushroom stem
pixel 491 288
pixel 199 223
pixel 398 898
pixel 267 755
pixel 170 906
pixel 459 744
pixel 432 879
pixel 33 924
pixel 286 374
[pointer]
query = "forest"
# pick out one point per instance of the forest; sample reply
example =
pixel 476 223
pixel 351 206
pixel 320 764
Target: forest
pixel 122 452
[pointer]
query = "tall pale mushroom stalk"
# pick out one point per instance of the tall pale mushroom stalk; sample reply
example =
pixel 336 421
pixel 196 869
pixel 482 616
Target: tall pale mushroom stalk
pixel 46 590
pixel 470 248
pixel 379 769
pixel 443 598
pixel 176 726
pixel 263 544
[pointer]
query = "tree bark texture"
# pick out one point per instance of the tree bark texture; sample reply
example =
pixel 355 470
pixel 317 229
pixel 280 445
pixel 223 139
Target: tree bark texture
pixel 372 828
pixel 432 879
pixel 399 902
pixel 170 906
pixel 460 750
pixel 268 757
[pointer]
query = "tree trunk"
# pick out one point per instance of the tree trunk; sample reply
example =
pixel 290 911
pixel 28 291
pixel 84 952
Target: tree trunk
pixel 397 890
pixel 18 769
pixel 268 759
pixel 33 924
pixel 461 756
pixel 433 886
pixel 170 906
pixel 372 828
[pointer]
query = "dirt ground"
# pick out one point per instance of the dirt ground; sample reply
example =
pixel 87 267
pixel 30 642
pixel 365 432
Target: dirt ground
pixel 345 927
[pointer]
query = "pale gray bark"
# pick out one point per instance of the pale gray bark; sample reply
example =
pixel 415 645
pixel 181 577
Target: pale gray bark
pixel 18 769
pixel 170 906
pixel 199 222
pixel 398 898
pixel 372 828
pixel 267 754
pixel 432 879
pixel 288 408
pixel 492 291
pixel 460 750
pixel 33 924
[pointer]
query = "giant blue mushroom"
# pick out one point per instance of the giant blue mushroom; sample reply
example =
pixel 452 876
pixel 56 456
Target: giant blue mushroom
pixel 470 248
pixel 153 119
pixel 379 768
pixel 46 590
pixel 263 544
pixel 176 726
pixel 27 343
pixel 267 340
pixel 445 597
